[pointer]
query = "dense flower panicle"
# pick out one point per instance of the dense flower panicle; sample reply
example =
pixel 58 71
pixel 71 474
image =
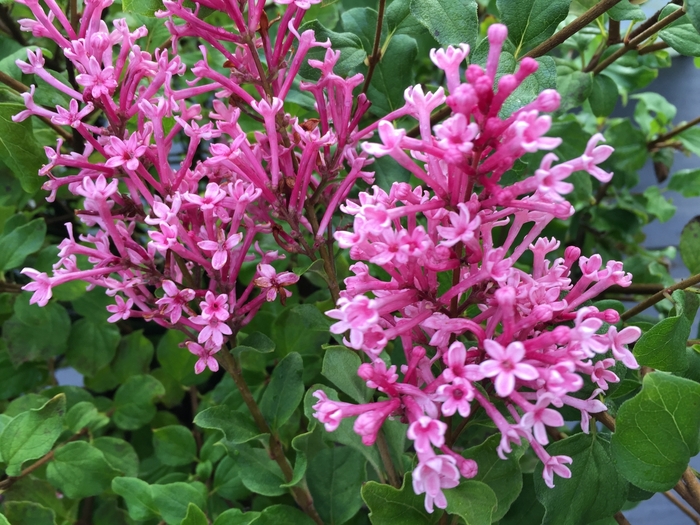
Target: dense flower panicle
pixel 169 241
pixel 511 343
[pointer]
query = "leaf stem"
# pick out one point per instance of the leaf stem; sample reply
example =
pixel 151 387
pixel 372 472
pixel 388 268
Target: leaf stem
pixel 384 453
pixel 632 43
pixel 571 29
pixel 376 55
pixel 301 495
pixel 675 131
pixel 683 508
pixel 651 301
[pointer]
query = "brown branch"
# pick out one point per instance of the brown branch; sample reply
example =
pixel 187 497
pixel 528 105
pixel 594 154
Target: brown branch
pixel 658 46
pixel 640 289
pixel 613 32
pixel 632 43
pixel 383 447
pixel 620 518
pixel 651 301
pixel 683 508
pixel 376 55
pixel 675 131
pixel 651 20
pixel 571 29
pixel 301 495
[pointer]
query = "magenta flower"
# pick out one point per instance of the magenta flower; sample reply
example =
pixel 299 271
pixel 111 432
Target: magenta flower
pixel 221 248
pixel 273 283
pixel 213 332
pixel 539 416
pixel 433 475
pixel 121 310
pixel 41 286
pixel 215 306
pixel 462 229
pixel 505 365
pixel 425 431
pixel 206 357
pixel 125 153
pixel 456 397
pixel 618 341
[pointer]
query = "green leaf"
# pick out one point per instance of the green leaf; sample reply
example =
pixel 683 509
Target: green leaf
pixel 26 343
pixel 653 113
pixel 80 470
pixel 686 182
pixel 20 242
pixel 258 472
pixel 19 149
pixel 391 76
pixel 93 305
pixel 657 432
pixel 38 491
pixel 574 86
pixel 624 10
pixel 176 360
pixel 690 245
pixel 525 510
pixel 278 514
pixel 84 414
pixel 31 434
pixel 119 454
pixel 693 8
pixel 502 476
pixel 544 78
pixel 690 138
pixel 174 499
pixel 21 512
pixel 531 22
pixel 134 356
pixel 133 401
pixel 658 205
pixel 174 445
pixel 138 497
pixel 595 489
pixel 350 46
pixel 680 34
pixel 472 501
pixel 236 517
pixel 92 345
pixel 450 22
pixel 3 520
pixel 142 7
pixel 194 516
pixel 389 506
pixel 630 146
pixel 15 381
pixel 334 477
pixel 227 480
pixel 340 366
pixel 663 347
pixel 285 391
pixel 236 426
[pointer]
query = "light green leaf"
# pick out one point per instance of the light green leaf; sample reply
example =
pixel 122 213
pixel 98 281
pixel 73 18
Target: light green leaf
pixel 595 489
pixel 686 182
pixel 142 7
pixel 174 499
pixel 236 517
pixel 531 22
pixel 450 22
pixel 657 432
pixel 680 34
pixel 80 470
pixel 31 434
pixel 85 414
pixel 659 205
pixel 285 391
pixel 119 454
pixel 624 10
pixel 133 401
pixel 20 242
pixel 194 516
pixel 174 445
pixel 473 501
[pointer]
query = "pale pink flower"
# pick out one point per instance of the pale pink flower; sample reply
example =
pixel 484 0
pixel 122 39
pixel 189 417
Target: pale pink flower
pixel 456 397
pixel 425 431
pixel 618 340
pixel 213 332
pixel 40 285
pixel 555 465
pixel 541 416
pixel 357 315
pixel 121 310
pixel 174 300
pixel 462 229
pixel 433 475
pixel 273 283
pixel 215 306
pixel 505 365
pixel 205 355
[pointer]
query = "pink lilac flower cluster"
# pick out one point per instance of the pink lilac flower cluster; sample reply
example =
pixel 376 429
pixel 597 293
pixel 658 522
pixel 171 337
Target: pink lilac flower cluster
pixel 478 332
pixel 169 241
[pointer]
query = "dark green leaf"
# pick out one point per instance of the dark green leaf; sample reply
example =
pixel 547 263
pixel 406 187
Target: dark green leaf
pixel 134 356
pixel 531 22
pixel 92 345
pixel 595 489
pixel 391 76
pixel 525 510
pixel 575 87
pixel 31 434
pixel 21 512
pixel 350 46
pixel 657 432
pixel 630 146
pixel 133 401
pixel 18 148
pixel 176 360
pixel 389 506
pixel 259 473
pixel 544 78
pixel 80 470
pixel 693 8
pixel 85 414
pixel 236 517
pixel 236 426
pixel 603 95
pixel 335 476
pixel 20 242
pixel 119 454
pixel 138 496
pixel 690 139
pixel 174 445
pixel 680 34
pixel 285 391
pixel 227 480
pixel 472 501
pixel 142 7
pixel 340 366
pixel 173 499
pixel 450 22
pixel 690 245
pixel 278 514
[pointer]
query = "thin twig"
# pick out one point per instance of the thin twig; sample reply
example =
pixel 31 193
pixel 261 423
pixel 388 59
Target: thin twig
pixel 632 43
pixel 651 48
pixel 675 131
pixel 678 503
pixel 620 518
pixel 376 55
pixel 659 296
pixel 383 447
pixel 571 29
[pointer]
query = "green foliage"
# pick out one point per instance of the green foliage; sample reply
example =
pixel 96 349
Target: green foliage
pixel 657 432
pixel 285 391
pixel 388 505
pixel 531 22
pixel 449 22
pixel 690 245
pixel 19 149
pixel 472 501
